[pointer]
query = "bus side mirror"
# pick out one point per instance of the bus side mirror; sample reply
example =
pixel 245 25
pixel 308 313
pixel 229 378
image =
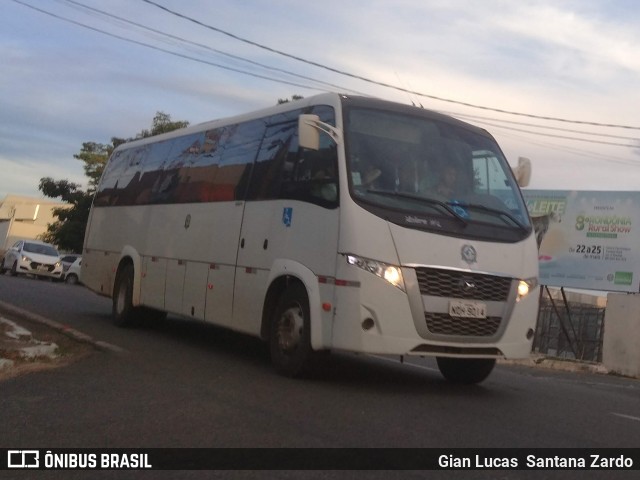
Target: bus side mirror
pixel 308 132
pixel 523 171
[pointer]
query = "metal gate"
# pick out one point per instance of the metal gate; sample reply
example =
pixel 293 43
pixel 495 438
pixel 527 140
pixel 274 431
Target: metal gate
pixel 570 330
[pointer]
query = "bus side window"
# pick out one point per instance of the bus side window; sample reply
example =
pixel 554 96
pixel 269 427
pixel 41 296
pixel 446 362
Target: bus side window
pixel 238 155
pixel 283 170
pixel 311 176
pixel 272 165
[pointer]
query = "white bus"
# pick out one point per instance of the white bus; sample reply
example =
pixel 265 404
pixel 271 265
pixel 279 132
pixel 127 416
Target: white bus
pixel 329 223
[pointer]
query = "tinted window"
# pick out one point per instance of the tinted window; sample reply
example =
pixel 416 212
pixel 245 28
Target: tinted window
pixel 426 172
pixel 283 170
pixel 217 164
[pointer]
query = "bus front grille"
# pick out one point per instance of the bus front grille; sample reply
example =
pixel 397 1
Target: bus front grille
pixel 467 285
pixel 444 324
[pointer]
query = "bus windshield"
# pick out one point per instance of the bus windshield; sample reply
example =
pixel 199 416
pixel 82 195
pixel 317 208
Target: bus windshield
pixel 425 173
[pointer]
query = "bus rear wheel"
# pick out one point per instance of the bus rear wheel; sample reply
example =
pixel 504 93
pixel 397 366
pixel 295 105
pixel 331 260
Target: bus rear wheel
pixel 123 311
pixel 466 371
pixel 290 333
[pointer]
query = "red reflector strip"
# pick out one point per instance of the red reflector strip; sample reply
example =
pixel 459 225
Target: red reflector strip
pixel 337 282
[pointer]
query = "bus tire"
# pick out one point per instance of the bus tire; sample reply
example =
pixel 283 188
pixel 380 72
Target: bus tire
pixel 123 311
pixel 466 371
pixel 290 333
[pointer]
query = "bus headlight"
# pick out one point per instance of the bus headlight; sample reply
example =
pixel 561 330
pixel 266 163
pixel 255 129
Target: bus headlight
pixel 525 286
pixel 390 273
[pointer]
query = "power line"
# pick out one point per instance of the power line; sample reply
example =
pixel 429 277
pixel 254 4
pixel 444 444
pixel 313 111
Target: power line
pixel 153 47
pixel 575 151
pixel 200 45
pixel 207 47
pixel 565 137
pixel 296 84
pixel 375 82
pixel 535 125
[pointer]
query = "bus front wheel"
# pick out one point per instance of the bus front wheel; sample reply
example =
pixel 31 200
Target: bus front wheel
pixel 123 310
pixel 290 335
pixel 466 371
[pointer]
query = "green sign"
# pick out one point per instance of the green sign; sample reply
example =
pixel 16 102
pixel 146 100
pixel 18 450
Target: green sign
pixel 587 239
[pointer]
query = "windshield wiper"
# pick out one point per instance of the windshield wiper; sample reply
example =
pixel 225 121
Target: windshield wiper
pixel 430 201
pixel 497 212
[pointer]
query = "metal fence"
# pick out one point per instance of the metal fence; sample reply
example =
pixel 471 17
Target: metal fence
pixel 569 330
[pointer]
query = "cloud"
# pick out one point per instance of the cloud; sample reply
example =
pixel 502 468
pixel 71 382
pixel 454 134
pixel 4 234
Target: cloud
pixel 62 85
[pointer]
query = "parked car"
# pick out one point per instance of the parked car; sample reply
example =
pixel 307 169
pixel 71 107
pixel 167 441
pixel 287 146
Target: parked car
pixel 68 259
pixel 72 275
pixel 32 257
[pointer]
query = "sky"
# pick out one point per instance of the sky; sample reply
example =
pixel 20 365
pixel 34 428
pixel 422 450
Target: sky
pixel 507 66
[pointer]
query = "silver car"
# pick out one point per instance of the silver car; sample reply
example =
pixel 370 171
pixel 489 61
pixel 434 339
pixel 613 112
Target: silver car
pixel 32 257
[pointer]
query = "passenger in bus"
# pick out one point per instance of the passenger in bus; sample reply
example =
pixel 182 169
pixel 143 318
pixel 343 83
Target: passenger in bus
pixel 365 173
pixel 370 176
pixel 324 184
pixel 448 179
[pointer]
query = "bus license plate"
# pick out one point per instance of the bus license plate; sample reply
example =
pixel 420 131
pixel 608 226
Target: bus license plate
pixel 462 309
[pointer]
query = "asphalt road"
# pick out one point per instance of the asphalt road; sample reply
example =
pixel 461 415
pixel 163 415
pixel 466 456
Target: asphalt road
pixel 188 384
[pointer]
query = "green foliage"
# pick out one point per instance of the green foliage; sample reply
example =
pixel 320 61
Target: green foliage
pixel 68 231
pixel 293 99
pixel 94 155
pixel 162 124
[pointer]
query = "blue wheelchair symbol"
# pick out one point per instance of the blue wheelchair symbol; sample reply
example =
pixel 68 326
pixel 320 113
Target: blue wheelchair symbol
pixel 287 216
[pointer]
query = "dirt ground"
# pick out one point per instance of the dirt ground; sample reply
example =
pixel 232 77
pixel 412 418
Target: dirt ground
pixel 69 350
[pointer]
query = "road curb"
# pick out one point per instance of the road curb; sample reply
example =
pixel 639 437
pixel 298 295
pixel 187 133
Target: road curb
pixel 10 309
pixel 554 363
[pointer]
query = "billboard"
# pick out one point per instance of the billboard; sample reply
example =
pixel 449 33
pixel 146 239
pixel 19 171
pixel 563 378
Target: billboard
pixel 587 239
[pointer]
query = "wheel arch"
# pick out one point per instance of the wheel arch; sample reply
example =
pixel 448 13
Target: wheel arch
pixel 283 274
pixel 130 256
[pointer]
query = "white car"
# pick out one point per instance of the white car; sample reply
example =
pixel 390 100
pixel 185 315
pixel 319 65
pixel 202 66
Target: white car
pixel 68 259
pixel 72 275
pixel 32 257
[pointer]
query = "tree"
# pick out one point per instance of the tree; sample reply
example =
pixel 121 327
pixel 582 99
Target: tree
pixel 95 155
pixel 293 99
pixel 67 232
pixel 162 124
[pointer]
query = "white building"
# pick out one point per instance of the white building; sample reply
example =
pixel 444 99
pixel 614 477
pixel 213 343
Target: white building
pixel 24 218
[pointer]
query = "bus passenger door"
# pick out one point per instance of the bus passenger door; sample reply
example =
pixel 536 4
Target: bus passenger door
pixel 291 214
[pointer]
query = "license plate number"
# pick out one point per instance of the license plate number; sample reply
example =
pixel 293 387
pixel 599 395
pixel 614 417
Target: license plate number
pixel 462 309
